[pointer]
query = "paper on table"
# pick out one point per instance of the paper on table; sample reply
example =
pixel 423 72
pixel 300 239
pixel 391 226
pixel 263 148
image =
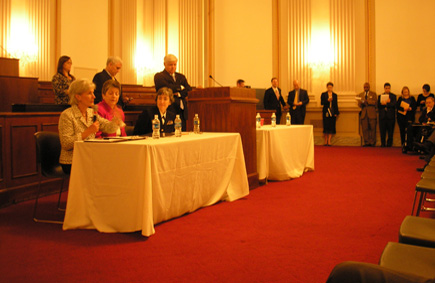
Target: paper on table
pixel 116 139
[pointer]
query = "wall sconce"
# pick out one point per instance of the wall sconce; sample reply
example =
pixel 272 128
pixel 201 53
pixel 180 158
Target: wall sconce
pixel 320 53
pixel 21 43
pixel 144 64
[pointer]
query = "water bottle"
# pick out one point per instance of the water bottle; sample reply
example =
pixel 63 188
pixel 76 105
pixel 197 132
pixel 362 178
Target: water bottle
pixel 196 124
pixel 177 126
pixel 156 127
pixel 273 120
pixel 288 119
pixel 258 120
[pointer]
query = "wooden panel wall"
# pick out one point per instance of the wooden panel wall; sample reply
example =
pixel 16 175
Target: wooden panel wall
pixel 19 174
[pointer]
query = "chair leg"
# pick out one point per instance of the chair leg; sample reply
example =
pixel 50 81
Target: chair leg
pixel 413 204
pixel 35 208
pixel 420 202
pixel 60 194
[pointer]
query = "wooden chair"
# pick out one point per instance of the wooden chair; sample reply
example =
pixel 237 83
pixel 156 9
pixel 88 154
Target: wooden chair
pixel 416 260
pixel 419 231
pixel 423 187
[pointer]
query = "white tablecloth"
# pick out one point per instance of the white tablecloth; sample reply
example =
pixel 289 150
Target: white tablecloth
pixel 130 186
pixel 284 152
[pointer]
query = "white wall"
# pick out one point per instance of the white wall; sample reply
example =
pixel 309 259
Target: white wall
pixel 405 42
pixel 84 35
pixel 243 42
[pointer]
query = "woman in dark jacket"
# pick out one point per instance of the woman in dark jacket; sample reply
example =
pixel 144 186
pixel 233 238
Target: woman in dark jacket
pixel 406 106
pixel 330 112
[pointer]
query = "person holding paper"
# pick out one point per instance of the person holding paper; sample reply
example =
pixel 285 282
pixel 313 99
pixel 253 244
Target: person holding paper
pixel 421 99
pixel 367 102
pixel 406 105
pixel 329 112
pixel 387 115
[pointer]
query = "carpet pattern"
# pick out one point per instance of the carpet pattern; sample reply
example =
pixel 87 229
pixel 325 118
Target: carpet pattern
pixel 291 231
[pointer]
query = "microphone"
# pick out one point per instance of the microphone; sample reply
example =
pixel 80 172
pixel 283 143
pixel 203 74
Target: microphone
pixel 211 77
pixel 95 107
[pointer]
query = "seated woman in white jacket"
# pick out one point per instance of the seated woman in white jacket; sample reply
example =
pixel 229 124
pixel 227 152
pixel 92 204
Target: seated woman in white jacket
pixel 81 121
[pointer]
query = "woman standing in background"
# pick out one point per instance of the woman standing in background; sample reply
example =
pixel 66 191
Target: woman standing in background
pixel 62 80
pixel 329 113
pixel 406 106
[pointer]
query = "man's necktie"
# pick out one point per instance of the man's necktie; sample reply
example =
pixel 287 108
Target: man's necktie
pixel 295 101
pixel 277 94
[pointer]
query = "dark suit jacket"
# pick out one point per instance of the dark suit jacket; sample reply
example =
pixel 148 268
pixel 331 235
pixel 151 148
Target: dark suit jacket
pixel 425 116
pixel 303 97
pixel 99 79
pixel 144 123
pixel 271 102
pixel 410 115
pixel 387 111
pixel 164 79
pixel 421 98
pixel 326 105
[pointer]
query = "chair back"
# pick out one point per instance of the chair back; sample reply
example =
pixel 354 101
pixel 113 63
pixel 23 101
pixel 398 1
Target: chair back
pixel 129 130
pixel 47 154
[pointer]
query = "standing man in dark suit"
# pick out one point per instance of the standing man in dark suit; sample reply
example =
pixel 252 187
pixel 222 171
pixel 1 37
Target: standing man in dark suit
pixel 367 102
pixel 113 66
pixel 177 83
pixel 298 99
pixel 387 115
pixel 273 99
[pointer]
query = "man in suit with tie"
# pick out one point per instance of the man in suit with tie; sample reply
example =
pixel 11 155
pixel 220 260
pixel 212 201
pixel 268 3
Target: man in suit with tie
pixel 177 83
pixel 297 99
pixel 367 102
pixel 273 99
pixel 113 66
pixel 387 115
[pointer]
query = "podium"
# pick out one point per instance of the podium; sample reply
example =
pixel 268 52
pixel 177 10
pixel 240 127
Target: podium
pixel 225 109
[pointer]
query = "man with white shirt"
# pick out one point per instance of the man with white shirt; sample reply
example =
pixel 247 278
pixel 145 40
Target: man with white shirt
pixel 418 133
pixel 273 99
pixel 387 115
pixel 297 100
pixel 113 66
pixel 177 83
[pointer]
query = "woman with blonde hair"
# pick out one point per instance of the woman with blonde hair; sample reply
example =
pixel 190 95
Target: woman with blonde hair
pixel 406 106
pixel 81 121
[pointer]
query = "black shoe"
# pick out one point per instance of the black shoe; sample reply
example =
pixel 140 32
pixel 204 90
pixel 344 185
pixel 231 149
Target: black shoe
pixel 420 169
pixel 422 156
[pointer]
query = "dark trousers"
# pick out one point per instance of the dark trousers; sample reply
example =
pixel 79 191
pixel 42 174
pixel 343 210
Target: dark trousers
pixel 387 126
pixel 298 117
pixel 403 125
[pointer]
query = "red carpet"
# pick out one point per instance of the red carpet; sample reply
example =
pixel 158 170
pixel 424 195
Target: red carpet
pixel 293 231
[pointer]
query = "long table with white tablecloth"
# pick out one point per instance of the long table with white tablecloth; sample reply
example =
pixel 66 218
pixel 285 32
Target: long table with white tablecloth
pixel 284 152
pixel 132 185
